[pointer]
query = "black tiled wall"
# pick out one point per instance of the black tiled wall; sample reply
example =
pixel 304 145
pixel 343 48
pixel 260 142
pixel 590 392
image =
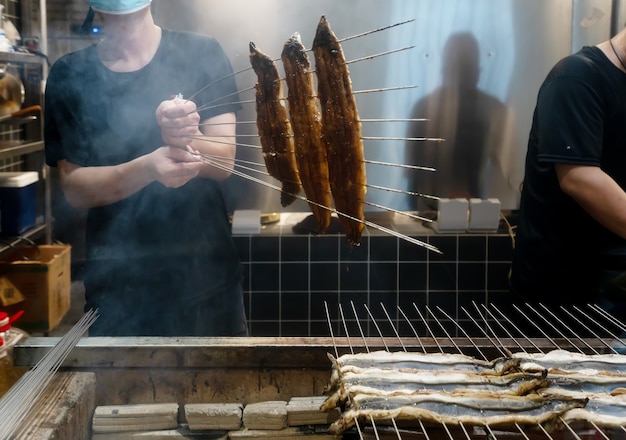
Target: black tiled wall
pixel 292 280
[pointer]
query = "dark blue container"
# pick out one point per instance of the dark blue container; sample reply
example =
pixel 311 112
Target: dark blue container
pixel 18 201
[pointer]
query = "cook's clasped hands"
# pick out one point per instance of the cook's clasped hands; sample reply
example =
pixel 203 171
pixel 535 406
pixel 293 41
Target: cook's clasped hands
pixel 178 119
pixel 176 163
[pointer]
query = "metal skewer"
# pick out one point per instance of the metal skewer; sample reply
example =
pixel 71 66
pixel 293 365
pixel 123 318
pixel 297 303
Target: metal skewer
pixel 499 346
pixel 278 59
pixel 215 162
pixel 16 403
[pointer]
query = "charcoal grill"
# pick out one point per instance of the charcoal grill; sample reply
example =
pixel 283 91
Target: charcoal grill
pixel 196 370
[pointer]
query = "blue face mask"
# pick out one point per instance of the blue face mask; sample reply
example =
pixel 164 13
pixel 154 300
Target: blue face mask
pixel 118 6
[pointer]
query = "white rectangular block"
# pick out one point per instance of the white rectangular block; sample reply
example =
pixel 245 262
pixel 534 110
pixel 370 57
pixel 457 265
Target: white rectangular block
pixel 484 215
pixel 452 215
pixel 246 222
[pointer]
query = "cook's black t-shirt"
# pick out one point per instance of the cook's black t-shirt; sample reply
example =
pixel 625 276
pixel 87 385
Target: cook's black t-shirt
pixel 580 118
pixel 161 249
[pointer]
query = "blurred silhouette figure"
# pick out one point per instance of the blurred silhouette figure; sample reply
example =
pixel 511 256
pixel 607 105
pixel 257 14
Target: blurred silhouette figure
pixel 471 123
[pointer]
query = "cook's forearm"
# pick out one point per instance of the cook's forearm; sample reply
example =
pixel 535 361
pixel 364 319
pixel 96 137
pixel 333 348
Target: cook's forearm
pixel 219 156
pixel 88 187
pixel 598 194
pixel 216 140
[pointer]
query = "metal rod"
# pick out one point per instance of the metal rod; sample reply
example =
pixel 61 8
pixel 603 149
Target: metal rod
pixel 358 428
pixel 210 124
pixel 445 427
pixel 365 222
pixel 376 30
pixel 341 40
pixel 410 193
pixel 383 89
pixel 444 329
pixel 492 435
pixel 358 323
pixel 376 325
pixel 395 427
pixel 535 324
pixel 330 328
pixel 599 430
pixel 381 120
pixel 587 328
pixel 392 326
pixel 424 430
pixel 569 328
pixel 16 403
pixel 212 83
pixel 210 103
pixel 412 167
pixel 419 340
pixel 569 428
pixel 506 318
pixel 396 120
pixel 387 138
pixel 374 427
pixel 467 436
pixel 428 328
pixel 404 213
pixel 607 316
pixel 345 328
pixel 544 430
pixel 464 333
pixel 519 428
pixel 484 332
pixel 544 319
pixel 370 57
pixel 377 187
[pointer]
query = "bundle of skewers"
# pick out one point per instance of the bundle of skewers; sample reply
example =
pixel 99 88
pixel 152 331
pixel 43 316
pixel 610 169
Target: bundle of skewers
pixel 313 145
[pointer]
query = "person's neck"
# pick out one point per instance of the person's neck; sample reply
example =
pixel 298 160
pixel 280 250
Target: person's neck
pixel 615 50
pixel 131 41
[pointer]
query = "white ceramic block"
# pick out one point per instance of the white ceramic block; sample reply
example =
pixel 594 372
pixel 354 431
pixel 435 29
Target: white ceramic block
pixel 452 215
pixel 484 215
pixel 246 222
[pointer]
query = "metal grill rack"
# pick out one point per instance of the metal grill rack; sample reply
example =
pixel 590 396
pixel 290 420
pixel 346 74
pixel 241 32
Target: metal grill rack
pixel 527 328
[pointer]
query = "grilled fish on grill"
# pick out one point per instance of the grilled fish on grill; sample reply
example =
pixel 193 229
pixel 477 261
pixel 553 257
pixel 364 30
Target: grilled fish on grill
pixel 274 126
pixel 470 408
pixel 307 130
pixel 567 361
pixel 602 409
pixel 391 383
pixel 341 129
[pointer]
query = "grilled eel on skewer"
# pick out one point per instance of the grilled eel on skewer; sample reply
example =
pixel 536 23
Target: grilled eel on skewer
pixel 307 129
pixel 274 126
pixel 341 131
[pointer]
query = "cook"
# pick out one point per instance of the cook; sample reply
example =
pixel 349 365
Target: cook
pixel 570 246
pixel 160 260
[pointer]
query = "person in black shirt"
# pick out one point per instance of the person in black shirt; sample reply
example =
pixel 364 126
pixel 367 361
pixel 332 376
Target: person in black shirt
pixel 570 246
pixel 160 260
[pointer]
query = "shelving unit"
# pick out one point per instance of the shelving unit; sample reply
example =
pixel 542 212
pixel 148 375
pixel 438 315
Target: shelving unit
pixel 22 145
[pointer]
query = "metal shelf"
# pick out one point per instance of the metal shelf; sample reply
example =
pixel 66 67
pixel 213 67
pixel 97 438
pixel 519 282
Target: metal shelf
pixel 10 242
pixel 21 148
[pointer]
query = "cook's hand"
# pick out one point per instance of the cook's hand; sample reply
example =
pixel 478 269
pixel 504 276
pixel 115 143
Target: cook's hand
pixel 179 121
pixel 173 166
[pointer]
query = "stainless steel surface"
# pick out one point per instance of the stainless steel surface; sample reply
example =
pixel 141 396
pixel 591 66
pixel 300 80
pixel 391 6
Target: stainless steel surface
pixel 518 42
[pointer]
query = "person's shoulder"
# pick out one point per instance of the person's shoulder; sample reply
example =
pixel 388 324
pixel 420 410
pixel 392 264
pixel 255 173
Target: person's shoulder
pixel 587 60
pixel 73 60
pixel 187 38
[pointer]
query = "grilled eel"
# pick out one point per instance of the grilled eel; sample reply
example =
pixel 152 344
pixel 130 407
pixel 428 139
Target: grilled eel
pixel 469 407
pixel 307 130
pixel 341 131
pixel 274 126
